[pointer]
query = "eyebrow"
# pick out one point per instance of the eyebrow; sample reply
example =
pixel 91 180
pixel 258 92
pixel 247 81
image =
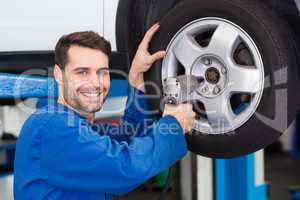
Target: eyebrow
pixel 86 69
pixel 81 69
pixel 103 69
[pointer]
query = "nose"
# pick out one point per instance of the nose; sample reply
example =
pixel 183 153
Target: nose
pixel 95 80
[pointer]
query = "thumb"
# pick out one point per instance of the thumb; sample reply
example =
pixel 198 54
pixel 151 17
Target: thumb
pixel 158 55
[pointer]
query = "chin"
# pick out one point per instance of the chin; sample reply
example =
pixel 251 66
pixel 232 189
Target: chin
pixel 90 106
pixel 91 109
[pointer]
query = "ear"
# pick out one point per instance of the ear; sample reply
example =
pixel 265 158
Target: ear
pixel 58 74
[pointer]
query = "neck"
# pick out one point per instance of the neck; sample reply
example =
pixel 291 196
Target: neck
pixel 89 116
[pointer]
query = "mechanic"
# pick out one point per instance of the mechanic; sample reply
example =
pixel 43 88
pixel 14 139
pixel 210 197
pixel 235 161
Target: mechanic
pixel 63 154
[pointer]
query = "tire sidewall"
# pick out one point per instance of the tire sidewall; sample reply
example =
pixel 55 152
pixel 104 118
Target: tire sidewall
pixel 241 140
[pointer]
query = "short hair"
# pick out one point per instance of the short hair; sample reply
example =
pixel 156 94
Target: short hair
pixel 89 39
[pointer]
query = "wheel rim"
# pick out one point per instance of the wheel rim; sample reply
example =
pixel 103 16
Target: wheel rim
pixel 228 60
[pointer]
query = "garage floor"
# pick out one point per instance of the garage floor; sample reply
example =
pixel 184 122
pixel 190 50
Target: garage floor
pixel 146 192
pixel 139 194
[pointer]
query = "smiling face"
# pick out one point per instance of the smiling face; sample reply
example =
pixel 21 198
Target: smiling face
pixel 84 83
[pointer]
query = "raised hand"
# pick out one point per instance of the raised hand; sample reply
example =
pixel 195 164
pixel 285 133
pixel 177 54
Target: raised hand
pixel 143 60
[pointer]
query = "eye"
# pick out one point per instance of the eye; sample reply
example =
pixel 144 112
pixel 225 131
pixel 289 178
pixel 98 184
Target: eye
pixel 103 72
pixel 82 73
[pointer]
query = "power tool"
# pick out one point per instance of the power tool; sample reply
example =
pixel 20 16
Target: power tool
pixel 179 89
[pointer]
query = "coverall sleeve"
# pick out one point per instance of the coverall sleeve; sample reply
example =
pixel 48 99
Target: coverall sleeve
pixel 78 158
pixel 136 117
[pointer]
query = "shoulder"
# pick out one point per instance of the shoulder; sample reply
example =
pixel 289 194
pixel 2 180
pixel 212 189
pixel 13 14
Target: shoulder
pixel 51 116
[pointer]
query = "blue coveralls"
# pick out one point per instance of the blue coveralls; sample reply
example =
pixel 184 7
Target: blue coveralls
pixel 60 156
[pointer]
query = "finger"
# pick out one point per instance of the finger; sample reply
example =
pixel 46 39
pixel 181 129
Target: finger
pixel 149 35
pixel 192 120
pixel 170 106
pixel 189 106
pixel 189 128
pixel 193 114
pixel 185 106
pixel 158 55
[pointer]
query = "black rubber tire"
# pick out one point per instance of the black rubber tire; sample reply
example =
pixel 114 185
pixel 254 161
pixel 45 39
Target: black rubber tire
pixel 131 25
pixel 276 43
pixel 133 19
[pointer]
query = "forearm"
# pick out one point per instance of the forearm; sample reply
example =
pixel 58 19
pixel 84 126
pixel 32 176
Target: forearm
pixel 135 119
pixel 137 107
pixel 105 165
pixel 136 80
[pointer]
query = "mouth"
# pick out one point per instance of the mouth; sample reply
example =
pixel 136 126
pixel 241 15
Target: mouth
pixel 92 95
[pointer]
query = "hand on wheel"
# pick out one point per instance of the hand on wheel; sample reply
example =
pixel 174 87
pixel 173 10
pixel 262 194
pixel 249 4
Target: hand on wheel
pixel 143 60
pixel 183 113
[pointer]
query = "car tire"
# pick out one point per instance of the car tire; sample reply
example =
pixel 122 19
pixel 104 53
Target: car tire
pixel 279 53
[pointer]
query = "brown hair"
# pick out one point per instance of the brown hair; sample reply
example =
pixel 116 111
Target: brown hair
pixel 88 39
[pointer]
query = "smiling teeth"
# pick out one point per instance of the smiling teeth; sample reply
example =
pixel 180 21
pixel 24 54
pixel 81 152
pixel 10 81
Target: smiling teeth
pixel 90 94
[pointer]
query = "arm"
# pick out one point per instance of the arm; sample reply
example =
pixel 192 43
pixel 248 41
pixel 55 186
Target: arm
pixel 80 159
pixel 143 60
pixel 136 116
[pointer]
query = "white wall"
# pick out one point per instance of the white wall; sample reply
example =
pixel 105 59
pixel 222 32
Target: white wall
pixel 15 116
pixel 37 25
pixel 6 187
pixel 110 11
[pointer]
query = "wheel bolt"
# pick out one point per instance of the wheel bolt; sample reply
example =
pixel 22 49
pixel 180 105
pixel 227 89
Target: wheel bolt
pixel 207 61
pixel 223 70
pixel 217 90
pixel 205 89
pixel 201 84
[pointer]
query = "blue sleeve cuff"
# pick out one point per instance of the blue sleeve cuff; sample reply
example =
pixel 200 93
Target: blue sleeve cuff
pixel 173 126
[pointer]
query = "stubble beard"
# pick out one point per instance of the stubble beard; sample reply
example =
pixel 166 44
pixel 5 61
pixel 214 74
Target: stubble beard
pixel 73 100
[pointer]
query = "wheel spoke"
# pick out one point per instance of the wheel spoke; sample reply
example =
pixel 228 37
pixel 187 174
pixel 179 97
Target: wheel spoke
pixel 187 50
pixel 223 41
pixel 219 112
pixel 203 126
pixel 244 80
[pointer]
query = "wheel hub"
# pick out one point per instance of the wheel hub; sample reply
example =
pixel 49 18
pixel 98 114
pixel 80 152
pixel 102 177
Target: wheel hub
pixel 214 74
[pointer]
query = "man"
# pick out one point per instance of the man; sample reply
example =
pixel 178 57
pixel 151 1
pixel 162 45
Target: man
pixel 62 154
